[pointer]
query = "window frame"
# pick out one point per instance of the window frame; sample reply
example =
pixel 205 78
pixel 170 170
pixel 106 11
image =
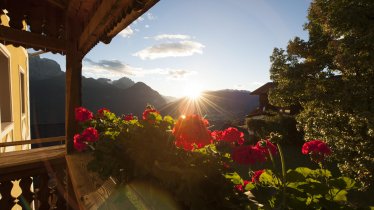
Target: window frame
pixel 7 126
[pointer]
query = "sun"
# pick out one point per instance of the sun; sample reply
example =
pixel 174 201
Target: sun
pixel 193 92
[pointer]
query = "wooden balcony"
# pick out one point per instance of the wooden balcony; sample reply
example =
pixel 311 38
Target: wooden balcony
pixel 35 178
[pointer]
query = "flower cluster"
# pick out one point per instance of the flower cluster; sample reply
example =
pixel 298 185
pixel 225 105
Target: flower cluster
pixel 267 147
pixel 128 117
pixel 150 115
pixel 145 139
pixel 90 134
pixel 82 114
pixel 256 175
pixel 249 155
pixel 317 149
pixel 101 112
pixel 241 187
pixel 255 179
pixel 192 131
pixel 230 135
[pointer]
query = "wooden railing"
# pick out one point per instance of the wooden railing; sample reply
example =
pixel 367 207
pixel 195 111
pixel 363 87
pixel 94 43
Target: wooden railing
pixel 35 178
pixel 59 139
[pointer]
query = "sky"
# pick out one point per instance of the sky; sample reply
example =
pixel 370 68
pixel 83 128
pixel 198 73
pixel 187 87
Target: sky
pixel 180 45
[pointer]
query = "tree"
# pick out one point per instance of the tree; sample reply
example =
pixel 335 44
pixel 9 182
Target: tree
pixel 331 75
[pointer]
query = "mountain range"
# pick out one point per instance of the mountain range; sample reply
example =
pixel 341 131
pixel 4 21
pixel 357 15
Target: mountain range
pixel 219 107
pixel 47 97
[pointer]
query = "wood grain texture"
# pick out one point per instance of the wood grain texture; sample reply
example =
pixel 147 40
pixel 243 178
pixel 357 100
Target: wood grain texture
pixel 34 141
pixel 19 161
pixel 73 86
pixel 83 181
pixel 31 40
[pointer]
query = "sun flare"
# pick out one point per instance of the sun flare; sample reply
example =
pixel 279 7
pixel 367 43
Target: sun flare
pixel 193 92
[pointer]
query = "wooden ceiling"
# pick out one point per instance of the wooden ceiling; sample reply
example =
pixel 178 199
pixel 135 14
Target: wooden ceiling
pixel 50 25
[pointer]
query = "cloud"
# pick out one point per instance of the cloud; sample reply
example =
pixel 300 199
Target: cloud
pixel 179 73
pixel 127 32
pixel 172 49
pixel 169 36
pixel 106 64
pixel 169 72
pixel 112 66
pixel 146 26
pixel 114 69
pixel 150 16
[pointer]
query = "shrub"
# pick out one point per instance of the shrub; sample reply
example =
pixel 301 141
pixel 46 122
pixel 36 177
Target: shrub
pixel 279 123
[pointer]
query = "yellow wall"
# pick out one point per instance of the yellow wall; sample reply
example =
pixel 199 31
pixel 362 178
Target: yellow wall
pixel 18 59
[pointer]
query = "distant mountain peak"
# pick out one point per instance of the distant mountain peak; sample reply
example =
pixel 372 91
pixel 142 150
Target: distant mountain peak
pixel 43 68
pixel 104 80
pixel 222 105
pixel 47 93
pixel 141 85
pixel 123 83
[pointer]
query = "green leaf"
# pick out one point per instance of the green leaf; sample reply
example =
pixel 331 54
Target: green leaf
pixel 109 115
pixel 295 185
pixel 314 188
pixel 337 195
pixel 168 119
pixel 304 171
pixel 343 183
pixel 294 176
pixel 227 155
pixel 320 173
pixel 249 186
pixel 268 178
pixel 234 178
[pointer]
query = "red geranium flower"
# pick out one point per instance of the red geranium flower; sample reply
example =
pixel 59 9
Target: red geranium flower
pixel 82 114
pixel 256 176
pixel 90 134
pixel 265 146
pixel 317 149
pixel 100 112
pixel 247 155
pixel 241 187
pixel 217 135
pixel 150 115
pixel 191 131
pixel 233 135
pixel 79 144
pixel 128 117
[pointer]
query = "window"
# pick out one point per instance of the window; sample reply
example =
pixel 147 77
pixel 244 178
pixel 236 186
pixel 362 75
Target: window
pixel 5 88
pixel 23 91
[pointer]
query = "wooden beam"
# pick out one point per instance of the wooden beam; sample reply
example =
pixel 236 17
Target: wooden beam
pixel 31 40
pixel 96 25
pixel 25 159
pixel 83 188
pixel 33 141
pixel 58 3
pixel 73 96
pixel 73 83
pixel 73 7
pixel 126 21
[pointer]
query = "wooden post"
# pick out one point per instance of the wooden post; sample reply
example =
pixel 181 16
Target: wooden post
pixel 73 84
pixel 73 96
